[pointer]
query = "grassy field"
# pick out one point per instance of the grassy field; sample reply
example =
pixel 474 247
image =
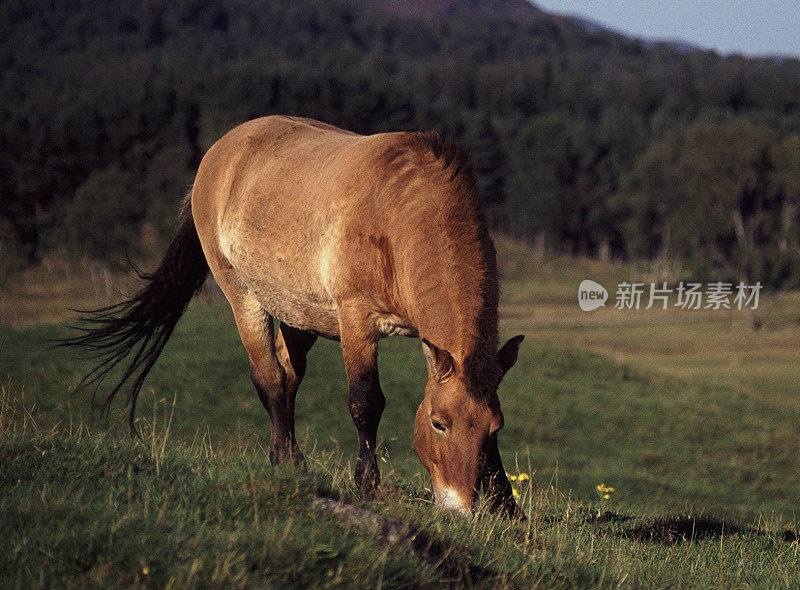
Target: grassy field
pixel 540 298
pixel 703 454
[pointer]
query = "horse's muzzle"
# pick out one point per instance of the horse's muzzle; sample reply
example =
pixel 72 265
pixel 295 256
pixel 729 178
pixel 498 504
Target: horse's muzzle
pixel 448 499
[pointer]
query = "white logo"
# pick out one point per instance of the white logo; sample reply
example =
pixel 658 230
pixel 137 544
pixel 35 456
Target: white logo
pixel 716 296
pixel 591 295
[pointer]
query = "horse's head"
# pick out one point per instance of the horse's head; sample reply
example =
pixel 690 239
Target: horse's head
pixel 453 425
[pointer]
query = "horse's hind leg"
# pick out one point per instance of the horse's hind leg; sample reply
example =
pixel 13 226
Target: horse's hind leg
pixel 268 375
pixel 292 346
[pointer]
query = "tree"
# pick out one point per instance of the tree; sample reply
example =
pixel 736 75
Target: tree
pixel 486 154
pixel 787 171
pixel 544 162
pixel 102 221
pixel 723 197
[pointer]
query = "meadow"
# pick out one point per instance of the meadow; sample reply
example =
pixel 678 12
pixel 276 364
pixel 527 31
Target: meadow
pixel 691 418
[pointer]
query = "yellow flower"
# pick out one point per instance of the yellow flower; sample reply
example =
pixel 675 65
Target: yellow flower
pixel 604 491
pixel 145 570
pixel 523 476
pixel 515 492
pixel 511 477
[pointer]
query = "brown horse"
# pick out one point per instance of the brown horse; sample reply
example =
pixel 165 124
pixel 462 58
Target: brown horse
pixel 352 238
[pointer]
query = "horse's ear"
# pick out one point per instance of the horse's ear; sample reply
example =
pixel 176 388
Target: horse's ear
pixel 507 356
pixel 440 362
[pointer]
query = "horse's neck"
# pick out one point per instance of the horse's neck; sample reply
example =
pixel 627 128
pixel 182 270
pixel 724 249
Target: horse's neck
pixel 454 301
pixel 446 264
pixel 470 338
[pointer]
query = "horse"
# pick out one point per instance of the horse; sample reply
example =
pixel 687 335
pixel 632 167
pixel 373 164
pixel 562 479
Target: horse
pixel 352 238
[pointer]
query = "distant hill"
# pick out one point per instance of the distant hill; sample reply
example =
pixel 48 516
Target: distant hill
pixel 437 8
pixel 518 9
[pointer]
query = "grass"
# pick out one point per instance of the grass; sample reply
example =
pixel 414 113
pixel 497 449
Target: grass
pixel 540 297
pixel 705 476
pixel 692 419
pixel 83 507
pixel 44 292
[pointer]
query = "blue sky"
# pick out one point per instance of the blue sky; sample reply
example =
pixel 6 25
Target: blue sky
pixel 751 27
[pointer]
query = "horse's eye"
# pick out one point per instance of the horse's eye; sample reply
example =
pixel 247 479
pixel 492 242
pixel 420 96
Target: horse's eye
pixel 438 426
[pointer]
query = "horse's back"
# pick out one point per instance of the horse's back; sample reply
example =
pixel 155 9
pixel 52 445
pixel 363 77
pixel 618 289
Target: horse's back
pixel 271 202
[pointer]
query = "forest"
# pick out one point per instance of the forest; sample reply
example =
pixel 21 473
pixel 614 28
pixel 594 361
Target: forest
pixel 584 142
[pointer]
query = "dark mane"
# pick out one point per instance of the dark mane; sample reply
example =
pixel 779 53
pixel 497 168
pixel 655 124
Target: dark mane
pixel 464 252
pixel 449 154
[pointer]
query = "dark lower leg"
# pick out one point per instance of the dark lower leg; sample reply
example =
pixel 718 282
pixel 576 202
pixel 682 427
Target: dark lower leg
pixel 269 377
pixel 366 407
pixel 292 346
pixel 270 389
pixel 359 339
pixel 496 486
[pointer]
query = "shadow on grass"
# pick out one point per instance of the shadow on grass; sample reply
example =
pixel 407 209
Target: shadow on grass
pixel 451 561
pixel 674 529
pixel 671 531
pixel 607 516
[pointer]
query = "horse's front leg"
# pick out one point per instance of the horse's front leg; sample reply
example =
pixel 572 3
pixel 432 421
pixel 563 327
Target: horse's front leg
pixel 359 339
pixel 496 486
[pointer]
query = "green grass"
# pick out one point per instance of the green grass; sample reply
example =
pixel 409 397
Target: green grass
pixel 86 509
pixel 540 298
pixel 196 503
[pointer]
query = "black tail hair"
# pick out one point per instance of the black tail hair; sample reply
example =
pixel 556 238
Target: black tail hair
pixel 142 324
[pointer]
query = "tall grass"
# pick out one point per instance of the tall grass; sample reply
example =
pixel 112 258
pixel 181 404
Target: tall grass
pixel 695 425
pixel 705 478
pixel 92 509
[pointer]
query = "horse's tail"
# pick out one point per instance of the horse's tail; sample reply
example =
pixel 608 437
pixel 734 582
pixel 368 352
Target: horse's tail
pixel 141 325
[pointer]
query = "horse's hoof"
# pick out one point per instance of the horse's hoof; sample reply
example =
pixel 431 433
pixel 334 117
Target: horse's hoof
pixel 285 457
pixel 367 480
pixel 518 515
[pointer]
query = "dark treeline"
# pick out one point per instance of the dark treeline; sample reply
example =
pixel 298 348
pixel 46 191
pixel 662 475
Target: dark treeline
pixel 591 144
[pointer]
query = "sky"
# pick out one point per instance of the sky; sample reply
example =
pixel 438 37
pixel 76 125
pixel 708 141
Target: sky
pixel 750 27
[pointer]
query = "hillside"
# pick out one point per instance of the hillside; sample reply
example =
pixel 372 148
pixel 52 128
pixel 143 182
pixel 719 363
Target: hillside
pixel 105 112
pixel 574 415
pixel 704 477
pixel 515 9
pixel 105 512
pixel 443 8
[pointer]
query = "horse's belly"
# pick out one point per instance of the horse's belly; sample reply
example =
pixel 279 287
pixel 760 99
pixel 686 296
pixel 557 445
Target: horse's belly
pixel 285 285
pixel 304 310
pixel 297 305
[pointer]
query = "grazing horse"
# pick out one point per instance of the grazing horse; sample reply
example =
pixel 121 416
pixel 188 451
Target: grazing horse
pixel 352 238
